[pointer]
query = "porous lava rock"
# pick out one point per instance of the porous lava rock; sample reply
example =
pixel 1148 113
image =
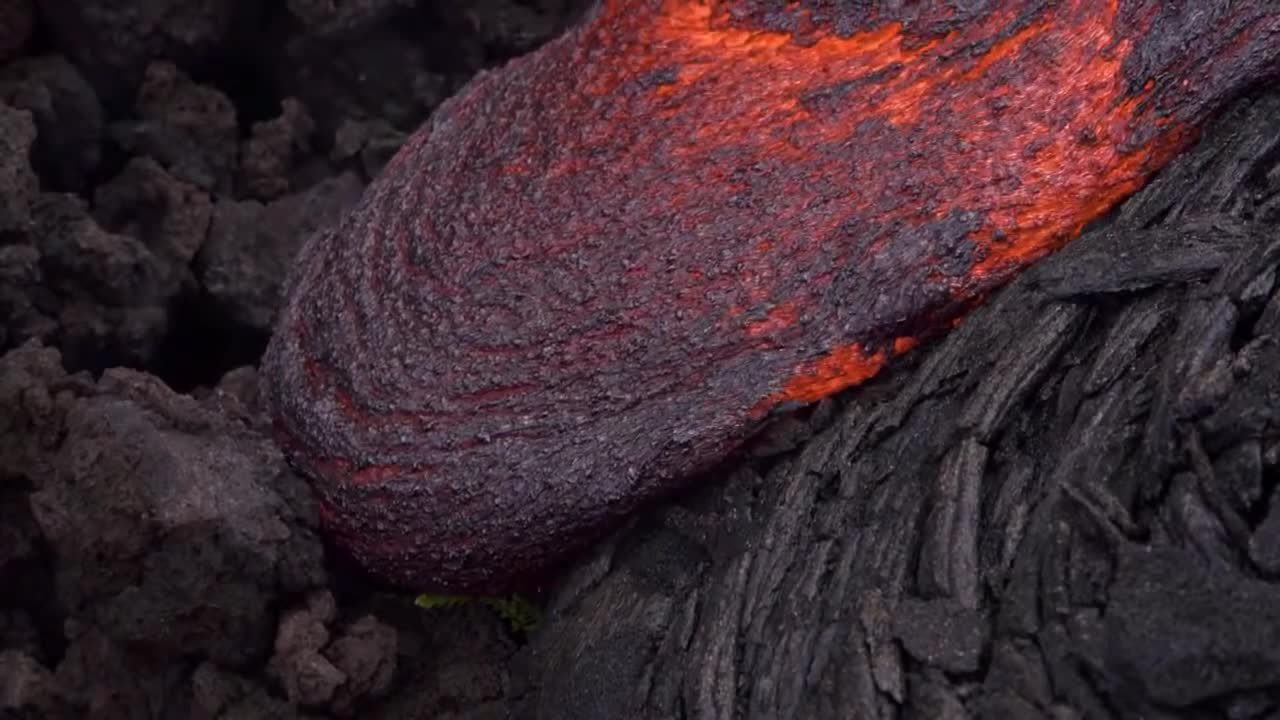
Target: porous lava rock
pixel 69 119
pixel 171 523
pixel 113 43
pixel 18 183
pixel 104 297
pixel 27 688
pixel 171 217
pixel 339 673
pixel 268 157
pixel 17 20
pixel 189 128
pixel 251 247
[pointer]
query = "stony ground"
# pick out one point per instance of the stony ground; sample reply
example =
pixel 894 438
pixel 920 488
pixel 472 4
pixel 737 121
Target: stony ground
pixel 1068 508
pixel 160 162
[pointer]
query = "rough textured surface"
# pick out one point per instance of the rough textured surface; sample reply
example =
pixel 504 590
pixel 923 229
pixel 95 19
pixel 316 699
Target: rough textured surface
pixel 150 111
pixel 251 247
pixel 116 290
pixel 174 529
pixel 17 19
pixel 68 116
pixel 27 688
pixel 269 156
pixel 342 671
pixel 218 503
pixel 190 129
pixel 112 45
pixel 1048 514
pixel 596 271
pixel 151 544
pixel 394 60
pixel 804 570
pixel 18 184
pixel 169 216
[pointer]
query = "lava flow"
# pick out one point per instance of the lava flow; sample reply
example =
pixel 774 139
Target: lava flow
pixel 594 272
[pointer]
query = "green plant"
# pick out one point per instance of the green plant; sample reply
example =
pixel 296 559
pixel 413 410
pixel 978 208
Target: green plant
pixel 520 615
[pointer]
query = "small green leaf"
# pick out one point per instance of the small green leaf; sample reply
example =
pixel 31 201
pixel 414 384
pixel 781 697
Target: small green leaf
pixel 429 601
pixel 520 615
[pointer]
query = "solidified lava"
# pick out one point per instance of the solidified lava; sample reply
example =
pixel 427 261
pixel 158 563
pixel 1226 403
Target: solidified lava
pixel 596 271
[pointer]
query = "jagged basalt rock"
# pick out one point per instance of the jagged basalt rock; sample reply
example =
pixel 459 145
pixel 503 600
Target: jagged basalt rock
pixel 112 43
pixel 243 265
pixel 68 117
pixel 1074 491
pixel 18 184
pixel 190 129
pixel 17 20
pixel 598 270
pixel 1074 481
pixel 172 524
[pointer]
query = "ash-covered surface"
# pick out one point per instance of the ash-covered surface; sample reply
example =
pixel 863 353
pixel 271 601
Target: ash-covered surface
pixel 1068 508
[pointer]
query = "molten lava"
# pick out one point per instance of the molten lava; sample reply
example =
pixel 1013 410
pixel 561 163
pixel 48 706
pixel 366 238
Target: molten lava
pixel 595 271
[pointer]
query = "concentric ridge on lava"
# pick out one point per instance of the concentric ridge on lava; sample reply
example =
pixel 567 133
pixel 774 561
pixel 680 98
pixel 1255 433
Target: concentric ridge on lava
pixel 596 270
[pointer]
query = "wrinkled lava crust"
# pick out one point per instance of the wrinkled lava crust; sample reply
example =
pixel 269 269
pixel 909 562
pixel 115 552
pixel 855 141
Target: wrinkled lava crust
pixel 594 272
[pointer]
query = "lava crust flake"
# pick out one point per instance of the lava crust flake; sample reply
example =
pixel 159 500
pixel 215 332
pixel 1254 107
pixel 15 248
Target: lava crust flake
pixel 595 272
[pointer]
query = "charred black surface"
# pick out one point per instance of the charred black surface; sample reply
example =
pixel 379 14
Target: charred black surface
pixel 1069 502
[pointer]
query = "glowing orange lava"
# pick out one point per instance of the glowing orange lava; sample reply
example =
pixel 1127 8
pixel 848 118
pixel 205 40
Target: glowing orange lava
pixel 597 269
pixel 1025 121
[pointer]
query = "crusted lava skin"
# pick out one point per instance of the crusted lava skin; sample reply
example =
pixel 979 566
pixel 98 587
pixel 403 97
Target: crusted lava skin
pixel 596 270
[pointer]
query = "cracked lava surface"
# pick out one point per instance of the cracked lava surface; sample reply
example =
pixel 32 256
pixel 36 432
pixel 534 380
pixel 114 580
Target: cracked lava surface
pixel 597 270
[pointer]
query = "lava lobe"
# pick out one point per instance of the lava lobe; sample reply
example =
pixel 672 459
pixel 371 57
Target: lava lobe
pixel 596 271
